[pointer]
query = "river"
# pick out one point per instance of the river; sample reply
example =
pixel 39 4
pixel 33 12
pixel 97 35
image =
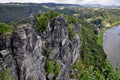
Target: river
pixel 111 45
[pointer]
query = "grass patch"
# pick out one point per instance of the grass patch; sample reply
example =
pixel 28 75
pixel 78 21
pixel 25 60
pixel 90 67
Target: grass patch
pixel 100 39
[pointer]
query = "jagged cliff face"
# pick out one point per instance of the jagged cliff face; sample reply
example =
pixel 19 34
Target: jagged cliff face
pixel 25 56
pixel 26 48
pixel 63 51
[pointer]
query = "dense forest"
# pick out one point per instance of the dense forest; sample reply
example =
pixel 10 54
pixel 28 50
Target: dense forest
pixel 22 12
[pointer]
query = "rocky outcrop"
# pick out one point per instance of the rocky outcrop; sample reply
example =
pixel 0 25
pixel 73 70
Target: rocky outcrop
pixel 26 48
pixel 24 55
pixel 63 51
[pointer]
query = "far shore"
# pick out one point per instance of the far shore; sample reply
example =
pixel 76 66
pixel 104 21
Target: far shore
pixel 112 25
pixel 100 35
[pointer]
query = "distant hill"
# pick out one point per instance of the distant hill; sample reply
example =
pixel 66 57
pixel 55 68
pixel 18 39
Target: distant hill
pixel 21 12
pixel 101 6
pixel 11 12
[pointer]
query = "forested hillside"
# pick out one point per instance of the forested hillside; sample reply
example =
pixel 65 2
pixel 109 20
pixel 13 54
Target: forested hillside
pixel 11 13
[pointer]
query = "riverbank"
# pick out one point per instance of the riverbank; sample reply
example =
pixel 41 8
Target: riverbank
pixel 111 44
pixel 100 35
pixel 114 24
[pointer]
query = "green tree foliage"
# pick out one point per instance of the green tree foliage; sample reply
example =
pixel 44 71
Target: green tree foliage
pixel 100 38
pixel 91 52
pixel 51 14
pixel 70 19
pixel 5 75
pixel 93 73
pixel 52 67
pixel 43 19
pixel 71 32
pixel 4 28
pixel 42 22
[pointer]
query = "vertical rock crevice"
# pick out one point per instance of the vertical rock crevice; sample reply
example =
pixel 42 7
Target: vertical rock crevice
pixel 24 58
pixel 59 44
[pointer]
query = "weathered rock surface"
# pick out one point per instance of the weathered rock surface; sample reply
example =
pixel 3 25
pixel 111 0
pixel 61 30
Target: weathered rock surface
pixel 24 54
pixel 63 51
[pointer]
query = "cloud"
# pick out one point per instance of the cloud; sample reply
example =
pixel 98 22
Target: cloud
pixel 6 1
pixel 105 2
pixel 62 1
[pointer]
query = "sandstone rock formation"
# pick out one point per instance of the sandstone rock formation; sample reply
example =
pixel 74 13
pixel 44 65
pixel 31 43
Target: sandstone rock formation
pixel 24 57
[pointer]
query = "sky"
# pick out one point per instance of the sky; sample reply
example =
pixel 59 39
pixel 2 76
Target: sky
pixel 104 2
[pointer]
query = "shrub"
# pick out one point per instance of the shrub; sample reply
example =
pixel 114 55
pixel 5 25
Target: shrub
pixel 4 28
pixel 51 14
pixel 71 32
pixel 5 75
pixel 57 68
pixel 52 67
pixel 43 19
pixel 46 52
pixel 70 19
pixel 49 66
pixel 42 22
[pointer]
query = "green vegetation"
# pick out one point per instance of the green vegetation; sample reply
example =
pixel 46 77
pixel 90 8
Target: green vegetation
pixel 4 28
pixel 43 19
pixel 70 19
pixel 71 32
pixel 5 75
pixel 100 17
pixel 46 52
pixel 106 73
pixel 94 73
pixel 57 68
pixel 52 67
pixel 49 66
pixel 100 38
pixel 100 34
pixel 11 14
pixel 51 14
pixel 92 64
pixel 91 53
pixel 42 23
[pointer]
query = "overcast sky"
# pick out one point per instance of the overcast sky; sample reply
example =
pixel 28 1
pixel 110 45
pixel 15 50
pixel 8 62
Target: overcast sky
pixel 105 2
